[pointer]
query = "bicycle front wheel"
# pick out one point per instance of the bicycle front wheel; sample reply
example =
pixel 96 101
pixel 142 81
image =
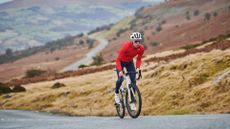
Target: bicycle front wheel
pixel 120 108
pixel 134 98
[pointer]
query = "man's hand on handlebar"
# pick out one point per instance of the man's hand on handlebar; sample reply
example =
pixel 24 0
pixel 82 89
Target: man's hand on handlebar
pixel 139 73
pixel 121 74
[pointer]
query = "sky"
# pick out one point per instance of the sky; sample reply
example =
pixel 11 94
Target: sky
pixel 4 1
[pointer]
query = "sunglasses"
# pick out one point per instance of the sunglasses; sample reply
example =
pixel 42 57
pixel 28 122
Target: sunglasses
pixel 137 41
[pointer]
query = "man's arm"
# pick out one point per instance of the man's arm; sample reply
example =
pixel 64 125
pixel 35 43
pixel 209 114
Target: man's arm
pixel 139 59
pixel 120 55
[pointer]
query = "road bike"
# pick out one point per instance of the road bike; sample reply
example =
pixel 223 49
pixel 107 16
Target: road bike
pixel 129 94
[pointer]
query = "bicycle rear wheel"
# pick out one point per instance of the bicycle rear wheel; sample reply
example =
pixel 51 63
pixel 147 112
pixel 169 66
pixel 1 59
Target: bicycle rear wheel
pixel 137 101
pixel 120 108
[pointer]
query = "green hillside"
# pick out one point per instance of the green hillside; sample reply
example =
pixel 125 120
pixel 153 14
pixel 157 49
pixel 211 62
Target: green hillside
pixel 33 26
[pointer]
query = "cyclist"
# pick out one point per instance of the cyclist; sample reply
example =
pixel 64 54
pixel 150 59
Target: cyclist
pixel 125 57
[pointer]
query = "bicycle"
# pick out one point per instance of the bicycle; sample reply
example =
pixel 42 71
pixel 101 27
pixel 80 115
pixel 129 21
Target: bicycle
pixel 129 94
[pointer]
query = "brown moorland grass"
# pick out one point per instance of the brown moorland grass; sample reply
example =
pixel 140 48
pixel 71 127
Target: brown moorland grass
pixel 158 57
pixel 182 86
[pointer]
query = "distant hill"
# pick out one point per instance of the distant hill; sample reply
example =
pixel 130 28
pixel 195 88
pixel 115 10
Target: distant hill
pixel 51 57
pixel 25 24
pixel 50 3
pixel 171 25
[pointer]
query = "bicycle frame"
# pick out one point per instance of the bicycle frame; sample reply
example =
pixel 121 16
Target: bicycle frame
pixel 127 89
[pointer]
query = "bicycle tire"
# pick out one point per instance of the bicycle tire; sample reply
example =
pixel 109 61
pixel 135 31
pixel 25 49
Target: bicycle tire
pixel 138 111
pixel 120 108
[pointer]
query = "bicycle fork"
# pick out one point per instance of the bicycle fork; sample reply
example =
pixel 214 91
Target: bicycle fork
pixel 130 89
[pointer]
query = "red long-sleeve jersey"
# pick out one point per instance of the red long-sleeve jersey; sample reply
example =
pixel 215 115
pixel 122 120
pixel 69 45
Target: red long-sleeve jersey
pixel 127 53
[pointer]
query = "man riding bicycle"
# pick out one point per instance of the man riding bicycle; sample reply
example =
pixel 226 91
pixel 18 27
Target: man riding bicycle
pixel 124 59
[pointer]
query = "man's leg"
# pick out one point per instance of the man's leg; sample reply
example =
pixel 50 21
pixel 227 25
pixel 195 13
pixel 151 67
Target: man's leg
pixel 131 68
pixel 118 83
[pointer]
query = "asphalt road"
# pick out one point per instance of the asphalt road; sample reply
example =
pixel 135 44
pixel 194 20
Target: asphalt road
pixel 13 119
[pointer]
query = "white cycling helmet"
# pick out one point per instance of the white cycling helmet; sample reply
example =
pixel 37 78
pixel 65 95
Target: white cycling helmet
pixel 136 36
